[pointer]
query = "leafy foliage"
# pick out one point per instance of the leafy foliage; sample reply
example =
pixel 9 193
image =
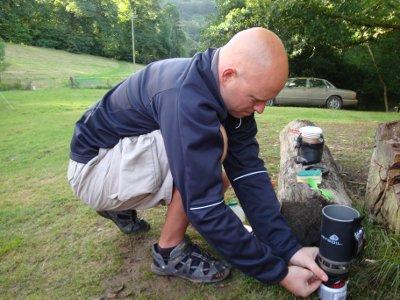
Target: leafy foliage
pixel 3 63
pixel 193 18
pixel 98 27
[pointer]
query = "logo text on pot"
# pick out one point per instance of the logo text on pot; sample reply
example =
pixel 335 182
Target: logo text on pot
pixel 333 239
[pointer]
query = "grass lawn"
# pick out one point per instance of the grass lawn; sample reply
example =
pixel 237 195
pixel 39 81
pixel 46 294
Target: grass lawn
pixel 54 247
pixel 48 68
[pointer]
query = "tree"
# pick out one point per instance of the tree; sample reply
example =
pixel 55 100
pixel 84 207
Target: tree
pixel 3 63
pixel 223 25
pixel 172 37
pixel 158 33
pixel 14 20
pixel 193 18
pixel 98 27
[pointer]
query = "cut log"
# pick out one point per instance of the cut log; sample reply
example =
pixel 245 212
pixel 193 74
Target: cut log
pixel 300 204
pixel 383 186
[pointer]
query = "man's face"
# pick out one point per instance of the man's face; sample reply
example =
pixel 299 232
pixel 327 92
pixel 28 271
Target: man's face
pixel 244 95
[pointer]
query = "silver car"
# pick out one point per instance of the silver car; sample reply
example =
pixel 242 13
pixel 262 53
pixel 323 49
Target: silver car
pixel 313 92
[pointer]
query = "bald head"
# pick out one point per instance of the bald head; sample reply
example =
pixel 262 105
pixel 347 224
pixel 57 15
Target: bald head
pixel 252 68
pixel 257 51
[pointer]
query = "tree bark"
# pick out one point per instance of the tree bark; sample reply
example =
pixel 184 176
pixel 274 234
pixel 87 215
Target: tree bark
pixel 383 186
pixel 380 78
pixel 300 204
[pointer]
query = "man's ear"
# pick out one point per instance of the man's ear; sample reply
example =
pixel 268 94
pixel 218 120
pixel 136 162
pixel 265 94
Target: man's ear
pixel 228 74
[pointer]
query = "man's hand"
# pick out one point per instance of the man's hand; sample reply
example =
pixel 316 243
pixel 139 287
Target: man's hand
pixel 300 281
pixel 304 275
pixel 305 258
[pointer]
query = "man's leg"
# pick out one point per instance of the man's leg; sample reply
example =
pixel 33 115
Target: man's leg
pixel 107 185
pixel 176 255
pixel 176 223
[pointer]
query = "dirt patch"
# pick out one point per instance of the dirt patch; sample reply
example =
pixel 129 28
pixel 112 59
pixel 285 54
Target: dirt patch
pixel 136 281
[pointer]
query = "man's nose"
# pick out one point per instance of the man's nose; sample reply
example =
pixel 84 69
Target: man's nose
pixel 259 107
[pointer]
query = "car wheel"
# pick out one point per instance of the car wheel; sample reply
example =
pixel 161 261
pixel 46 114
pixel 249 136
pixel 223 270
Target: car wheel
pixel 334 102
pixel 271 102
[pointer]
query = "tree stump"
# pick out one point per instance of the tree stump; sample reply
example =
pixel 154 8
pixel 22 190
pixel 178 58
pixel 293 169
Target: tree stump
pixel 300 204
pixel 383 186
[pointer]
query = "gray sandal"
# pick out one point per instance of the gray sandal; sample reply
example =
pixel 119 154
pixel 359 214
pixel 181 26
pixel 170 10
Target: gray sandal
pixel 189 262
pixel 127 220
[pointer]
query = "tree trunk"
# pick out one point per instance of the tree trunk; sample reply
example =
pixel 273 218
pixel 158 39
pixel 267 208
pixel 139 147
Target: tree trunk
pixel 383 186
pixel 380 78
pixel 300 204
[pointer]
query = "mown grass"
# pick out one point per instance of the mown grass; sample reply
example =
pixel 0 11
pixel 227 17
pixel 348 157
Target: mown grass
pixel 42 245
pixel 49 68
pixel 53 246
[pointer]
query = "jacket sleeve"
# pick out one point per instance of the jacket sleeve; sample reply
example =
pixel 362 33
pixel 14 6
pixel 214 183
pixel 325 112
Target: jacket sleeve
pixel 252 185
pixel 194 147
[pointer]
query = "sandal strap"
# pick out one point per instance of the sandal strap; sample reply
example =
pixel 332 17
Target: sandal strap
pixel 188 261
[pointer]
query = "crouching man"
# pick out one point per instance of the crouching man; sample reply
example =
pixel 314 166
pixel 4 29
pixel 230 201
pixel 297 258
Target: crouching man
pixel 156 138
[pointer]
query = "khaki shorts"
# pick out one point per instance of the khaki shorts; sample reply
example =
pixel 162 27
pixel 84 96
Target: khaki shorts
pixel 133 175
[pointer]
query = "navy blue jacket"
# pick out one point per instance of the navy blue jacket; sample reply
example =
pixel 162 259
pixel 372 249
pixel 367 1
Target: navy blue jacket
pixel 181 98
